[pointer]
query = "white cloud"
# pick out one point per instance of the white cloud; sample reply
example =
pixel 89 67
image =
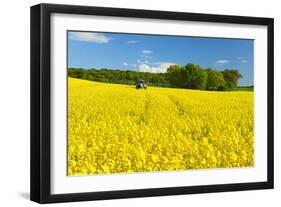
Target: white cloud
pixel 146 61
pixel 89 37
pixel 146 51
pixel 222 61
pixel 134 65
pixel 125 64
pixel 242 60
pixel 132 41
pixel 160 67
pixel 139 61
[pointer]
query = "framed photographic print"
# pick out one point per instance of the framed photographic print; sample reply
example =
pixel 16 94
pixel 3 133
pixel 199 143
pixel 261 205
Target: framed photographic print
pixel 133 103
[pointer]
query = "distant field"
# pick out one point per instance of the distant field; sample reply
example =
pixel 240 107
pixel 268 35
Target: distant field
pixel 244 88
pixel 115 128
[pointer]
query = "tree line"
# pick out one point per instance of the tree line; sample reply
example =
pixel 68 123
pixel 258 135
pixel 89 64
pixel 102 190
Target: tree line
pixel 194 77
pixel 190 76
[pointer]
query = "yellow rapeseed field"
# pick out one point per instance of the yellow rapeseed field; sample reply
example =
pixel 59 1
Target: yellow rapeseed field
pixel 117 129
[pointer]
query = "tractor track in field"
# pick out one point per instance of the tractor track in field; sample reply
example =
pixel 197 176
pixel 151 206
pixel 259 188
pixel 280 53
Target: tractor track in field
pixel 144 114
pixel 180 111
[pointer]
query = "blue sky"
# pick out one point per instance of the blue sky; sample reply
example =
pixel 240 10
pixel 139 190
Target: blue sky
pixel 155 53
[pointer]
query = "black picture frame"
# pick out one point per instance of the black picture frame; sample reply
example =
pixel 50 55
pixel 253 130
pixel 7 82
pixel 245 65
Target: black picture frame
pixel 41 96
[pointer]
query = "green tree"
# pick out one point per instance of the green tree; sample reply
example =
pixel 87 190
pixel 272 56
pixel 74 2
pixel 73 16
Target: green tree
pixel 175 75
pixel 231 78
pixel 196 77
pixel 190 76
pixel 215 80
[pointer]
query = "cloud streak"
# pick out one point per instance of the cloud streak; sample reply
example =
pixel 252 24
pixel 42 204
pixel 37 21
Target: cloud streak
pixel 89 37
pixel 222 62
pixel 146 51
pixel 132 41
pixel 242 60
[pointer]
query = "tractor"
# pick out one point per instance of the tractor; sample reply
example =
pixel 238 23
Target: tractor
pixel 140 84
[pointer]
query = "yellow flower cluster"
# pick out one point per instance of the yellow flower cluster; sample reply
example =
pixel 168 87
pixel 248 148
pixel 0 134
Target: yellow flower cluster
pixel 117 129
